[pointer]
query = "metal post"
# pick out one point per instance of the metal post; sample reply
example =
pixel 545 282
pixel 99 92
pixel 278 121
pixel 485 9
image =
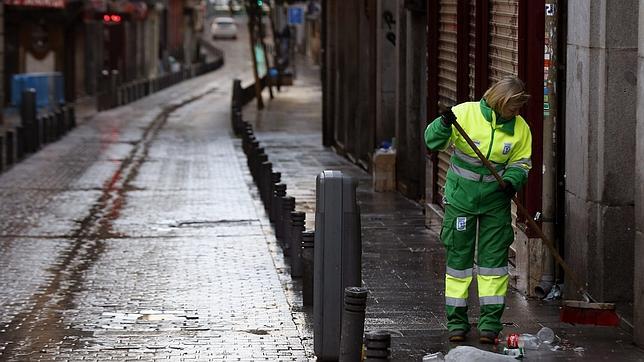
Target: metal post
pixel 40 126
pixel 276 178
pixel 2 163
pixel 114 80
pixel 338 250
pixel 58 123
pixel 355 303
pixel 308 267
pixel 28 118
pixel 297 228
pixel 284 226
pixel 10 150
pixel 279 191
pixel 265 171
pixel 377 346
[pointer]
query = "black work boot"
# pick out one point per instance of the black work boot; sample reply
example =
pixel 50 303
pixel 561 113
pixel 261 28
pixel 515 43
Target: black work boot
pixel 488 337
pixel 457 335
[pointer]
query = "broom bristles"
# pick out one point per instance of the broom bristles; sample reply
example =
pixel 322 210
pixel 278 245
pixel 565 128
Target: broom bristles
pixel 599 317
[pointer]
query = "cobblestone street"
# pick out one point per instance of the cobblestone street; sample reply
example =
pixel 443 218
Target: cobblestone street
pixel 137 237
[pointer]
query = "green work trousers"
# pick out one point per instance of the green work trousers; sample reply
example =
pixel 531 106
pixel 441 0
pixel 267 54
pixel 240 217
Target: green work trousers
pixel 458 235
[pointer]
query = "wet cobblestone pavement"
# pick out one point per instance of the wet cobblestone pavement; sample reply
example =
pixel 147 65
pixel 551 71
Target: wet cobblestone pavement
pixel 137 237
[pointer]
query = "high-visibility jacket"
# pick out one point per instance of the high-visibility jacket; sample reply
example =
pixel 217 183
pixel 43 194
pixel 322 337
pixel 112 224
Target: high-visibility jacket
pixel 472 195
pixel 506 143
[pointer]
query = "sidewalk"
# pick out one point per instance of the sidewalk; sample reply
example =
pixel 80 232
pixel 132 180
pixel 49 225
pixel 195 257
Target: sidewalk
pixel 402 260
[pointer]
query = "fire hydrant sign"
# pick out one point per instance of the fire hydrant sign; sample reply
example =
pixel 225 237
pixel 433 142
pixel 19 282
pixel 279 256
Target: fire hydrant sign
pixel 37 3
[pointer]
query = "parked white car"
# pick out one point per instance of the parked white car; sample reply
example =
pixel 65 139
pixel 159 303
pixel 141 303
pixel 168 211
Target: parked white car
pixel 223 27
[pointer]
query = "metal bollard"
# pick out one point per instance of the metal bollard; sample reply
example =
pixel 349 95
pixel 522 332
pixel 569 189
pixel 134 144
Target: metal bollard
pixel 338 250
pixel 49 127
pixel 377 345
pixel 251 160
pixel 279 191
pixel 297 228
pixel 355 303
pixel 257 166
pixel 1 153
pixel 28 118
pixel 40 134
pixel 20 143
pixel 10 149
pixel 265 170
pixel 284 226
pixel 307 261
pixel 59 123
pixel 276 177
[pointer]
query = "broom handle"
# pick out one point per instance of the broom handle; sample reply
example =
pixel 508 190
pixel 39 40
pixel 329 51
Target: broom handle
pixel 524 212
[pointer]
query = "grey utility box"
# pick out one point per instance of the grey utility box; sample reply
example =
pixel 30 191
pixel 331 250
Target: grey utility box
pixel 337 258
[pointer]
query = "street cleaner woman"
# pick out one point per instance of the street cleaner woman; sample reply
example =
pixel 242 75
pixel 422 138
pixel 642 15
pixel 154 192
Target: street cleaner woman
pixel 473 196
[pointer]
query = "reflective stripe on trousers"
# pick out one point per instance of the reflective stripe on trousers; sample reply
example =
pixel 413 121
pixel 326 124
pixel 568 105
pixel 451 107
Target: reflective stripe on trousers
pixel 492 285
pixel 457 283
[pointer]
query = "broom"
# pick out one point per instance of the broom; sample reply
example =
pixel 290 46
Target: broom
pixel 586 311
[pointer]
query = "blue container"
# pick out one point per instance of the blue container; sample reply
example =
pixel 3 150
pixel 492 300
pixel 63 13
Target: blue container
pixel 50 90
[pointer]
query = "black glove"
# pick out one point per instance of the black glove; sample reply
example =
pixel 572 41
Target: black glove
pixel 448 118
pixel 508 190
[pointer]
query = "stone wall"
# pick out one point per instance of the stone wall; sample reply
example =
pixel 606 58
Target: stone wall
pixel 600 142
pixel 638 289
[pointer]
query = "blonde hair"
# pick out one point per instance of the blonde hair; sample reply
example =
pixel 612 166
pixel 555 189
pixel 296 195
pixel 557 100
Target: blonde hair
pixel 509 91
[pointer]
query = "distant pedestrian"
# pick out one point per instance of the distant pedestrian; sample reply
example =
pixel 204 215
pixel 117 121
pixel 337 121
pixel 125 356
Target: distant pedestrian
pixel 473 196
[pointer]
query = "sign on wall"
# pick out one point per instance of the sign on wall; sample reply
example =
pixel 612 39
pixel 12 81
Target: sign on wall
pixel 295 15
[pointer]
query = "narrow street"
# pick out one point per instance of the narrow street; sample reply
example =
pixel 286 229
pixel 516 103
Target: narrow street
pixel 136 237
pixel 140 235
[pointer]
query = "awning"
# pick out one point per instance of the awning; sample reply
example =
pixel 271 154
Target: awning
pixel 60 4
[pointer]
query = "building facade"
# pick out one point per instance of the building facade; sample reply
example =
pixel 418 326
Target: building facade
pixel 391 66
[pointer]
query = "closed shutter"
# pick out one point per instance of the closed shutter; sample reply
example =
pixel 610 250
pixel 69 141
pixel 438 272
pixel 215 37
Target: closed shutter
pixel 472 50
pixel 446 77
pixel 504 39
pixel 447 53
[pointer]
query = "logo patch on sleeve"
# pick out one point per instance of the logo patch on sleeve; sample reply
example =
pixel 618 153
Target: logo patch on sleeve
pixel 461 223
pixel 506 148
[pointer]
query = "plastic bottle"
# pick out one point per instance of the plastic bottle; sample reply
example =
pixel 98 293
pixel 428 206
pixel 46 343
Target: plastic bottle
pixel 529 341
pixel 546 335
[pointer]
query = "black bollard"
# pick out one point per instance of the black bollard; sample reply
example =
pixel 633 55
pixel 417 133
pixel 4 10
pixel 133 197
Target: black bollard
pixel 279 191
pixel 284 226
pixel 355 302
pixel 265 170
pixel 255 153
pixel 10 151
pixel 275 179
pixel 297 228
pixel 257 165
pixel 114 89
pixel 307 261
pixel 72 117
pixel 377 346
pixel 28 119
pixel 20 142
pixel 49 127
pixel 59 123
pixel 1 153
pixel 40 131
pixel 338 250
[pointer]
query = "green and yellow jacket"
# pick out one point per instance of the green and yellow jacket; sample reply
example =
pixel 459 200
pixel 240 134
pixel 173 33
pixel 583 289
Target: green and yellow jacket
pixel 506 143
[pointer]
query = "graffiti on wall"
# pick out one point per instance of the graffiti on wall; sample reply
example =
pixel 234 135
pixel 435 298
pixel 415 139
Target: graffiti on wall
pixel 389 20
